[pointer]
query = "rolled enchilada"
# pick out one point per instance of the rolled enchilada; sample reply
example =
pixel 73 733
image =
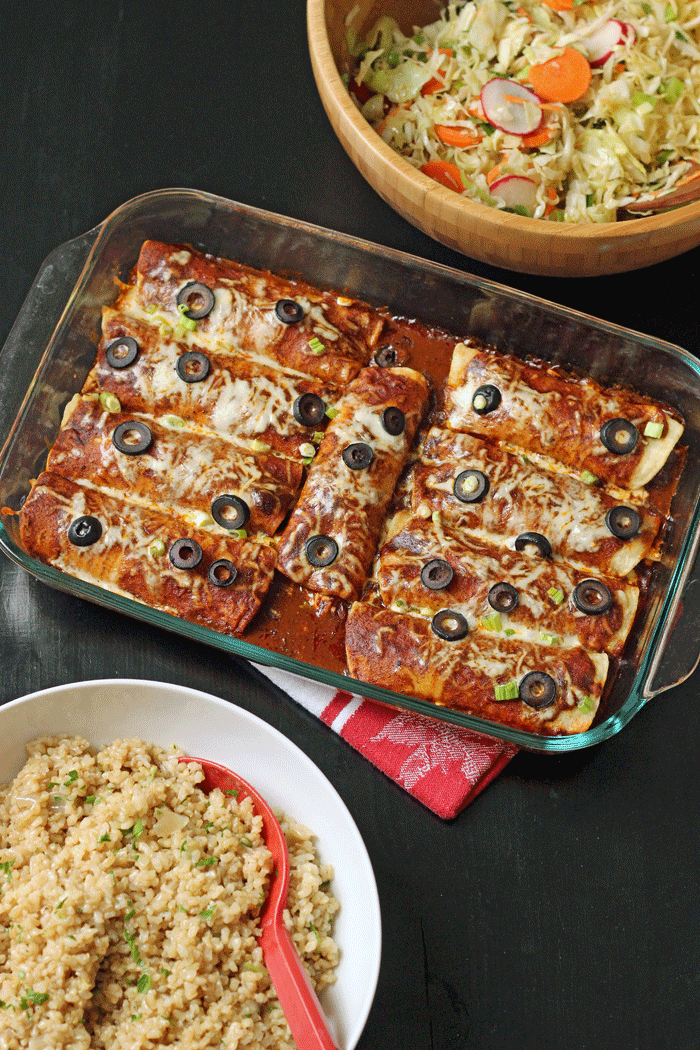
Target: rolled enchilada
pixel 622 439
pixel 581 522
pixel 331 538
pixel 198 475
pixel 239 398
pixel 208 578
pixel 562 687
pixel 287 323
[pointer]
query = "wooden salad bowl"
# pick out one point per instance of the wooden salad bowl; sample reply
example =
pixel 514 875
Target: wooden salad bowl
pixel 489 235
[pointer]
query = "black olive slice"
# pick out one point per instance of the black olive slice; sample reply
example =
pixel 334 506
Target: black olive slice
pixel 288 311
pixel 122 351
pixel 592 597
pixel 393 421
pixel 321 551
pixel 471 486
pixel 185 553
pixel 358 456
pixel 450 625
pixel 132 437
pixel 619 436
pixel 486 399
pixel 385 357
pixel 193 366
pixel 198 298
pixel 309 409
pixel 537 689
pixel 503 597
pixel 222 573
pixel 623 522
pixel 230 512
pixel 85 530
pixel 536 540
pixel 437 574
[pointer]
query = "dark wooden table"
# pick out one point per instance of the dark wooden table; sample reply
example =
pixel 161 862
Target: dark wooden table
pixel 560 911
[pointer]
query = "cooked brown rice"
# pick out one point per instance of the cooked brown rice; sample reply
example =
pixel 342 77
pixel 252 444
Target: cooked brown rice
pixel 130 902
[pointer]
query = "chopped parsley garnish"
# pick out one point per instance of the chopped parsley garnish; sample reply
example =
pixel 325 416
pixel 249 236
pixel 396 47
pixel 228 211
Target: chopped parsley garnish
pixel 315 931
pixel 206 862
pixel 72 777
pixel 143 983
pixel 33 999
pixel 208 912
pixel 104 838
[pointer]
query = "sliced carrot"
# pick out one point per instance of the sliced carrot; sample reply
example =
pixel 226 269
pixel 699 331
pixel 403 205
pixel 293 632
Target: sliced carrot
pixel 431 86
pixel 493 174
pixel 460 137
pixel 444 172
pixel 552 202
pixel 524 14
pixel 560 5
pixel 434 84
pixel 564 78
pixel 538 138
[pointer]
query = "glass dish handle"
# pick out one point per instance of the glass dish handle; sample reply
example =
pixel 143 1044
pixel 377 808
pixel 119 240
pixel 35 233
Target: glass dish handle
pixel 38 318
pixel 678 649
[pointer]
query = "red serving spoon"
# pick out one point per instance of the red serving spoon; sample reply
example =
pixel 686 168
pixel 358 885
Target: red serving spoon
pixel 291 981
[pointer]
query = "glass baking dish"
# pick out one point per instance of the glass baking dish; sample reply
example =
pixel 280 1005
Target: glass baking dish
pixel 52 347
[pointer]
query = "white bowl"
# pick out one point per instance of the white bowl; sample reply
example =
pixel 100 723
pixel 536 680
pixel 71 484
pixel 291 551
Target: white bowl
pixel 208 727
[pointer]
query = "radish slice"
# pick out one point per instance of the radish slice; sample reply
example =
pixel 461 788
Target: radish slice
pixel 511 107
pixel 516 191
pixel 600 44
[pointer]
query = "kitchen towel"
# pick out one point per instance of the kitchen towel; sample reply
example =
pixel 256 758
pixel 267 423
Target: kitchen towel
pixel 441 765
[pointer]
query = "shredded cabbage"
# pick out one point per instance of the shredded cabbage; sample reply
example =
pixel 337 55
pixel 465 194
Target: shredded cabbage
pixel 634 134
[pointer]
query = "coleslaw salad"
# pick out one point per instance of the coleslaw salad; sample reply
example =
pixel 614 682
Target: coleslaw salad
pixel 558 109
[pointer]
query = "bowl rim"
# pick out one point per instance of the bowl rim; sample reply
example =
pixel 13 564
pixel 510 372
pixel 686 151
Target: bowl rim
pixel 325 68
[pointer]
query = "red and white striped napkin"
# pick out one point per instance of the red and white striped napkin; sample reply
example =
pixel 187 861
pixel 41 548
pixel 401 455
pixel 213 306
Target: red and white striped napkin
pixel 441 765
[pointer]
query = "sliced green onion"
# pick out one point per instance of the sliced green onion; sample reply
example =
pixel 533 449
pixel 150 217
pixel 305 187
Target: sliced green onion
pixel 179 331
pixel 188 322
pixel 669 14
pixel 642 102
pixel 479 402
pixel 331 412
pixel 492 622
pixel 151 308
pixel 556 595
pixel 109 402
pixel 317 437
pixel 173 421
pixel 672 89
pixel 662 157
pixel 588 478
pixel 508 632
pixel 307 460
pixel 166 330
pixel 549 639
pixel 307 450
pixel 316 346
pixel 653 430
pixel 586 705
pixel 509 691
pixel 240 534
pixel 260 446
